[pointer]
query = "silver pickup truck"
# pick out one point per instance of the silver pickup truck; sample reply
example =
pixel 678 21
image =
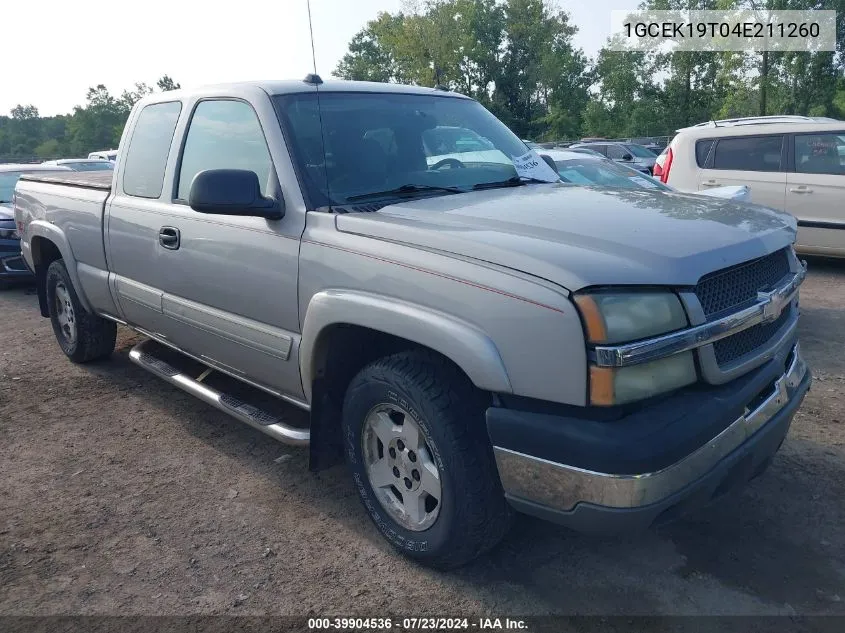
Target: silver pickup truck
pixel 475 336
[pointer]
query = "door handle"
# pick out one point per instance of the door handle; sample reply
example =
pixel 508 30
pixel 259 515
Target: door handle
pixel 801 189
pixel 710 183
pixel 169 237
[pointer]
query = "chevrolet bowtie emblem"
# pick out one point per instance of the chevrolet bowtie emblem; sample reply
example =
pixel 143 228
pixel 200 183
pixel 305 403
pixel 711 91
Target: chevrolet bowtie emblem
pixel 771 307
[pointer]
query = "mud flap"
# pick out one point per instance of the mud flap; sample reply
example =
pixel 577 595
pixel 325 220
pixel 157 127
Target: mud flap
pixel 326 449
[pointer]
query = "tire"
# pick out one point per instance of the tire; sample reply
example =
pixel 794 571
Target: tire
pixel 82 336
pixel 471 515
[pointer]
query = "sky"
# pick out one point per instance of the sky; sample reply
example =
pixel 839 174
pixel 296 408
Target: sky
pixel 55 49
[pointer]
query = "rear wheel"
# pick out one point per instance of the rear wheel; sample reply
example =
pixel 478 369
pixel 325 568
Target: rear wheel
pixel 82 336
pixel 416 443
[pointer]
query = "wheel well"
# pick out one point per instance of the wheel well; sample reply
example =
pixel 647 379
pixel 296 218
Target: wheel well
pixel 341 351
pixel 44 253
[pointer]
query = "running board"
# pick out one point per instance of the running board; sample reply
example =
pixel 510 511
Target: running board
pixel 243 411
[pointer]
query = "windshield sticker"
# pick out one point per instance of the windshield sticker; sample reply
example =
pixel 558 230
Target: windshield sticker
pixel 643 182
pixel 531 165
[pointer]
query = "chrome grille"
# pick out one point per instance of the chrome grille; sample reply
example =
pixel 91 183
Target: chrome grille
pixel 734 347
pixel 732 287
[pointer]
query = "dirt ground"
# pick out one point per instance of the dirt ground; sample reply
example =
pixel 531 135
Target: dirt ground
pixel 122 495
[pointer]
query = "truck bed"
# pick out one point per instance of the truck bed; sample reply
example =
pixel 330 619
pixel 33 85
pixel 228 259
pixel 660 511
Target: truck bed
pixel 85 179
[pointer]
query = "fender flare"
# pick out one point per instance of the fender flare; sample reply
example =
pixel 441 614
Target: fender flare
pixel 52 233
pixel 463 343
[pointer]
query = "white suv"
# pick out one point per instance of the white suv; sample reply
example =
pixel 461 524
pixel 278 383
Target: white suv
pixel 791 163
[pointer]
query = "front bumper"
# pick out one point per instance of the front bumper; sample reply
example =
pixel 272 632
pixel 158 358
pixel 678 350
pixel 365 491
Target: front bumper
pixel 12 264
pixel 621 493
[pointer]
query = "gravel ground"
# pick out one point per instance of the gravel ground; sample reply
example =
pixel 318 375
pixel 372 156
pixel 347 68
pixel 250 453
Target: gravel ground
pixel 122 495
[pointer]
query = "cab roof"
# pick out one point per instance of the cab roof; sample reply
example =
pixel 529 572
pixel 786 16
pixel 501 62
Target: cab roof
pixel 294 86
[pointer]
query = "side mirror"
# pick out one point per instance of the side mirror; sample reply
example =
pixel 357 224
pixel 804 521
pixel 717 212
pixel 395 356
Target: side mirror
pixel 232 192
pixel 627 157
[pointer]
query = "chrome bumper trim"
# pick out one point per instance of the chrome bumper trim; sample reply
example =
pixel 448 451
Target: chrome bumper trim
pixel 562 487
pixel 768 308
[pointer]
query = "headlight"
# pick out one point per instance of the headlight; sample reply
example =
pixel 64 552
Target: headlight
pixel 618 385
pixel 616 317
pixel 621 317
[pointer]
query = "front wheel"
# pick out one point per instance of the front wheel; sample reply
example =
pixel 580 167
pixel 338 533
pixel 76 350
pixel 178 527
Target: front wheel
pixel 82 336
pixel 416 443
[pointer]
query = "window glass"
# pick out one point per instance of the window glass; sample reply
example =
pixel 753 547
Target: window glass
pixel 8 180
pixel 820 153
pixel 597 171
pixel 224 135
pixel 601 149
pixel 616 152
pixel 373 143
pixel 748 153
pixel 385 137
pixel 453 140
pixel 639 151
pixel 702 149
pixel 146 158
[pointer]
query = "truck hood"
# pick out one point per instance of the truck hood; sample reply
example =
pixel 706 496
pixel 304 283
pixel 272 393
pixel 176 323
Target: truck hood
pixel 584 236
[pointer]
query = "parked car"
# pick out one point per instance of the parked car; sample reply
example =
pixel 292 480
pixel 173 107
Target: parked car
pixel 594 169
pixel 583 149
pixel 531 144
pixel 450 145
pixel 82 164
pixel 12 265
pixel 631 154
pixel 110 154
pixel 791 163
pixel 475 339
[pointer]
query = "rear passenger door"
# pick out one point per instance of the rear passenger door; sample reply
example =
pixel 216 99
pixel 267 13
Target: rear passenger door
pixel 815 191
pixel 756 161
pixel 135 260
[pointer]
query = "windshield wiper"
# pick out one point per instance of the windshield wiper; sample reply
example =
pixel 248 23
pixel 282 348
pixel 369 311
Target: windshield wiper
pixel 513 181
pixel 404 189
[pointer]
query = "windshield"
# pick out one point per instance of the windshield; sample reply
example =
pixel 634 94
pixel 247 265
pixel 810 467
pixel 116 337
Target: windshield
pixel 640 152
pixel 9 178
pixel 7 184
pixel 379 145
pixel 594 171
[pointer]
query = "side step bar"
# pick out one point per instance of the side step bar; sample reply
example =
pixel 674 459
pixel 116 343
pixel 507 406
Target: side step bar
pixel 255 417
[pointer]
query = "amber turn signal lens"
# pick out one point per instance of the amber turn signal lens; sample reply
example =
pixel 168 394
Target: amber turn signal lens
pixel 593 320
pixel 601 386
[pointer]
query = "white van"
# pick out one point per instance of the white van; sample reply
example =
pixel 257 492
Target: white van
pixel 790 163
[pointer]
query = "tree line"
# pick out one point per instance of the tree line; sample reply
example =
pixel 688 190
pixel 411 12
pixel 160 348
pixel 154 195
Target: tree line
pixel 97 125
pixel 518 58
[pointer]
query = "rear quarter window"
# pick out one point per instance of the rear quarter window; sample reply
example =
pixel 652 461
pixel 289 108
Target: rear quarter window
pixel 702 150
pixel 146 156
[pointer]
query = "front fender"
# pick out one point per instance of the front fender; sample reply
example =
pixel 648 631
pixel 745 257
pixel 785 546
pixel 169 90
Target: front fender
pixel 46 230
pixel 463 343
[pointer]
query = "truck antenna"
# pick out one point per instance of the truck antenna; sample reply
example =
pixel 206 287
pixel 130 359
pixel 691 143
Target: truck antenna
pixel 311 30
